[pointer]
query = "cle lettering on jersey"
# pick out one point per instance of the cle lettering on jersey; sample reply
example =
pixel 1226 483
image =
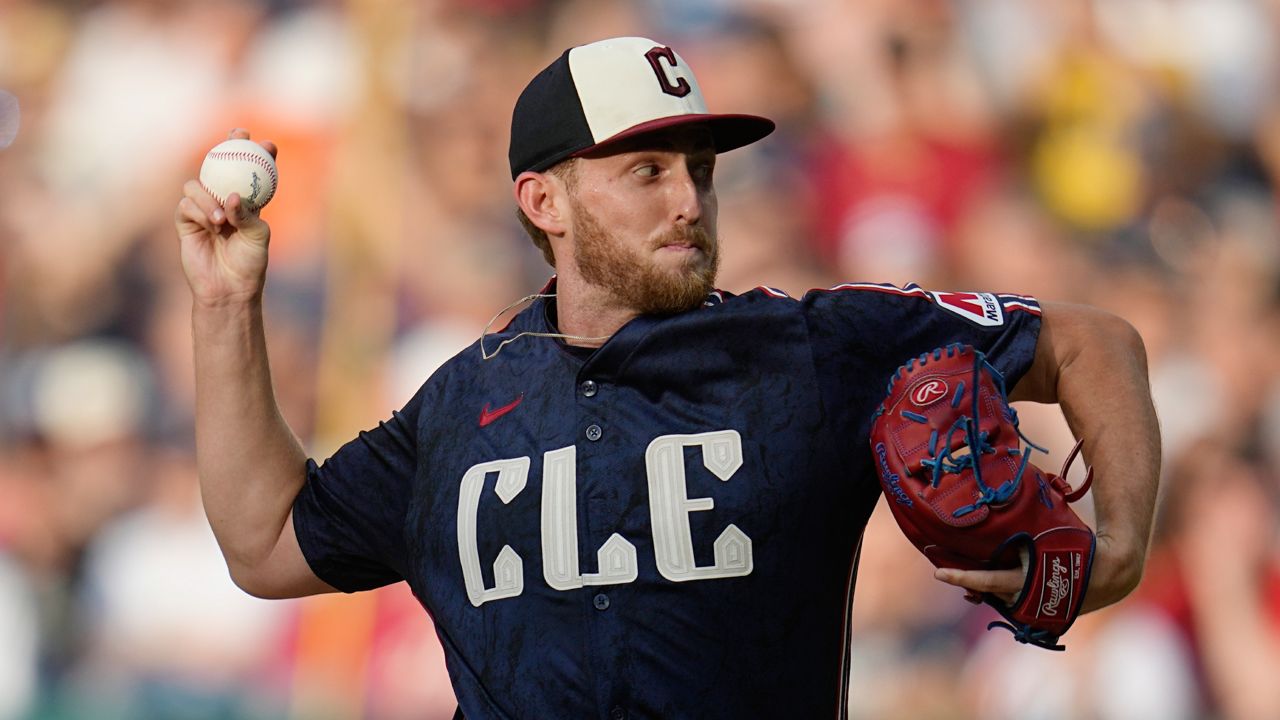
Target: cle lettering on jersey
pixel 669 508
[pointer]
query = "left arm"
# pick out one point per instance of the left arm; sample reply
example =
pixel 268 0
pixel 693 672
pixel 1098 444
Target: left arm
pixel 1094 365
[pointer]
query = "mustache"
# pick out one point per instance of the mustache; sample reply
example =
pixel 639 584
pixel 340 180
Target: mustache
pixel 692 235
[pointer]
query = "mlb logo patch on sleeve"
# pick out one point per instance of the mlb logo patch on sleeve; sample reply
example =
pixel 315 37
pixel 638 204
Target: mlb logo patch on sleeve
pixel 981 308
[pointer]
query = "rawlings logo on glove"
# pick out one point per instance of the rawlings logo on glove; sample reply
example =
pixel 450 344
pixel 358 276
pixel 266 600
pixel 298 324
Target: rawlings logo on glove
pixel 963 490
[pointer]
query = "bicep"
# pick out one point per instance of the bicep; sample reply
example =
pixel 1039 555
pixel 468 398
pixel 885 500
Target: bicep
pixel 1067 330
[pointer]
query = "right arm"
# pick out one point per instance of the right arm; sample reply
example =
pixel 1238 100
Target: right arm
pixel 251 465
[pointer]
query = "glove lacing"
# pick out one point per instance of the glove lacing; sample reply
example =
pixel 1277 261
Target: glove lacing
pixel 946 462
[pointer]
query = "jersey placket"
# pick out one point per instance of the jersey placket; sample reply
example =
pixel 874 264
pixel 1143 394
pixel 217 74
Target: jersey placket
pixel 606 499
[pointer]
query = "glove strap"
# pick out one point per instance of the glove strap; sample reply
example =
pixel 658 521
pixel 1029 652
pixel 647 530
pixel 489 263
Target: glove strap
pixel 1028 635
pixel 1060 562
pixel 1060 482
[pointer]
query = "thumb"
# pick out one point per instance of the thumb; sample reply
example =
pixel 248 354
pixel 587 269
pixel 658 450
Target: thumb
pixel 1005 584
pixel 244 219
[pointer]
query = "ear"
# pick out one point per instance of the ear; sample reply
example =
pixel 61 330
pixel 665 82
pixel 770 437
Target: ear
pixel 543 199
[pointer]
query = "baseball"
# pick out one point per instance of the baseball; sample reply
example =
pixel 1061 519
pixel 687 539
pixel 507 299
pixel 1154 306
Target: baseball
pixel 240 166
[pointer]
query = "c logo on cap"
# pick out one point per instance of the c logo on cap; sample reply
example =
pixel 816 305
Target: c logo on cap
pixel 679 89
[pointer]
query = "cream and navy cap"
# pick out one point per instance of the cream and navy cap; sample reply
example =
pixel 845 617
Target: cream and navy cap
pixel 597 94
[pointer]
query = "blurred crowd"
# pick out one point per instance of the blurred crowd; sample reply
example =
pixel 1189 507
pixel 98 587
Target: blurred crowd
pixel 1122 153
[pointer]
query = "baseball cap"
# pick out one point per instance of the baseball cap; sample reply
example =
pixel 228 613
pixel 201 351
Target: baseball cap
pixel 597 94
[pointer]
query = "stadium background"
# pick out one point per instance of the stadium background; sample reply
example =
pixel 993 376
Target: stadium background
pixel 1117 152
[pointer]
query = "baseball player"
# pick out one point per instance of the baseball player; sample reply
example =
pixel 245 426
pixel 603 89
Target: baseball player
pixel 644 497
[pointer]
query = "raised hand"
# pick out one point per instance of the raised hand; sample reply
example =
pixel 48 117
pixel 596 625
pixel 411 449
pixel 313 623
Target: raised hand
pixel 224 248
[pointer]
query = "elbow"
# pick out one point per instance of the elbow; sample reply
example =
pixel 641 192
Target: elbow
pixel 1131 575
pixel 248 581
pixel 1125 337
pixel 1106 338
pixel 1088 326
pixel 280 575
pixel 1130 353
pixel 256 582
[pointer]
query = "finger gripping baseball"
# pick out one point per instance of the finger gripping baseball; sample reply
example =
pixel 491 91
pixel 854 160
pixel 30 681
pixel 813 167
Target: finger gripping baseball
pixel 957 472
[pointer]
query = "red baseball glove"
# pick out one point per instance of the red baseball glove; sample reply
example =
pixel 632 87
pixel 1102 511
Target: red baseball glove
pixel 963 490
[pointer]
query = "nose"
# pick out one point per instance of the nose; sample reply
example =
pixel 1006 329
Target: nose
pixel 687 200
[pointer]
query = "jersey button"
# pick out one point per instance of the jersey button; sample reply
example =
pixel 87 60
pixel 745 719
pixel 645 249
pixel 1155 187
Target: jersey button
pixel 589 388
pixel 618 714
pixel 601 601
pixel 594 432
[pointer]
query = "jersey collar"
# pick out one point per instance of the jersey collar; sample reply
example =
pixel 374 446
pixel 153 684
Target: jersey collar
pixel 609 360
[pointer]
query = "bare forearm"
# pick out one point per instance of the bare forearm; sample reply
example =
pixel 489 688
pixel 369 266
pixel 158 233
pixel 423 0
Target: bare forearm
pixel 1106 391
pixel 1099 377
pixel 251 465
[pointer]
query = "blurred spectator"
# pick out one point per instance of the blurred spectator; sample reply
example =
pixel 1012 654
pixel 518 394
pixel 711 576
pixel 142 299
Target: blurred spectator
pixel 1121 663
pixel 905 634
pixel 170 636
pixel 18 626
pixel 893 186
pixel 764 190
pixel 1215 572
pixel 1121 154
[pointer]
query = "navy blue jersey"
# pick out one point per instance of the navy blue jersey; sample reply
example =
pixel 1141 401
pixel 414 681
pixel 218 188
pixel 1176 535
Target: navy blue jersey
pixel 665 527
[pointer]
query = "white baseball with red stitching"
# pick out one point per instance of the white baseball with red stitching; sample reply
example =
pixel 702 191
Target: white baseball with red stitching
pixel 240 166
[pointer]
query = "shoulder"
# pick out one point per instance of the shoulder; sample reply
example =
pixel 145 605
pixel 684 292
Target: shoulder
pixel 982 308
pixel 985 309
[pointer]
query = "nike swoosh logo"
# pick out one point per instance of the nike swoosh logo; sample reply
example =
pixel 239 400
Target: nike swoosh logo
pixel 487 416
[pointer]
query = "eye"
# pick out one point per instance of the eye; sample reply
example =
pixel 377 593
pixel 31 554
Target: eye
pixel 647 170
pixel 703 170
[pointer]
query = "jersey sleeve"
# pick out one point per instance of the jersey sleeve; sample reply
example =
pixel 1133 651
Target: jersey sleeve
pixel 862 332
pixel 349 516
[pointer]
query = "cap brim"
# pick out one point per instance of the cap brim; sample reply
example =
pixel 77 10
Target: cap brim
pixel 728 132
